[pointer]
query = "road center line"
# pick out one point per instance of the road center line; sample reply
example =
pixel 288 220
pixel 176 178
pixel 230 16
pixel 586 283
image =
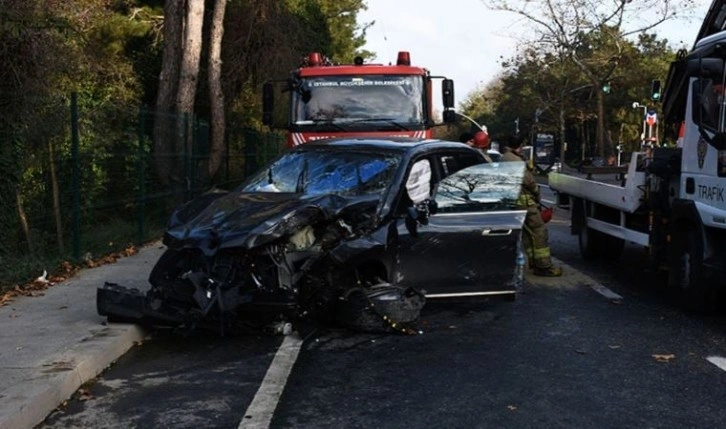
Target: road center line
pixel 718 361
pixel 260 411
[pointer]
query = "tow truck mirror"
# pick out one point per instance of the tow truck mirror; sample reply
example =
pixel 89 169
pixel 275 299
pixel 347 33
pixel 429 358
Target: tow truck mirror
pixel 447 93
pixel 705 67
pixel 449 116
pixel 268 103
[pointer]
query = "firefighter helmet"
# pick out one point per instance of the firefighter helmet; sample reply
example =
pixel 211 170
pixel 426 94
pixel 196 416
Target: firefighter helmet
pixel 481 139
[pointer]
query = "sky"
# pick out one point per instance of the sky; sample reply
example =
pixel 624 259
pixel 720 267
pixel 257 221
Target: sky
pixel 465 41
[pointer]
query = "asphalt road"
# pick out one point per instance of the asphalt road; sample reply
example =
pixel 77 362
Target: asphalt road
pixel 562 355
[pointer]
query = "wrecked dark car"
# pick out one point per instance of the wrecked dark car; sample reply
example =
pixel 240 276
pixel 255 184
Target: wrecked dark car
pixel 353 232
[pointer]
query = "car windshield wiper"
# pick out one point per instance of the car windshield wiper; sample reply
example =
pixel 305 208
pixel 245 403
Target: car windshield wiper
pixel 390 121
pixel 302 178
pixel 319 123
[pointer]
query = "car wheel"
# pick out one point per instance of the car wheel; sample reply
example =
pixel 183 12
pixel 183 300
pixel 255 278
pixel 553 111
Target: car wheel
pixel 612 247
pixel 591 243
pixel 380 308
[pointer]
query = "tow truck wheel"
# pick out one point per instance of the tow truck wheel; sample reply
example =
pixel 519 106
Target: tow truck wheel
pixel 613 247
pixel 591 243
pixel 686 272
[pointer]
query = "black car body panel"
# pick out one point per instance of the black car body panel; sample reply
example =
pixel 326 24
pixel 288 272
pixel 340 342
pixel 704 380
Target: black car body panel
pixel 248 220
pixel 455 254
pixel 331 228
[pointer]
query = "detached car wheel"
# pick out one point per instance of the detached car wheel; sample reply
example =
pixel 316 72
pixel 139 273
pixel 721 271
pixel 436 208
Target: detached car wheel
pixel 380 308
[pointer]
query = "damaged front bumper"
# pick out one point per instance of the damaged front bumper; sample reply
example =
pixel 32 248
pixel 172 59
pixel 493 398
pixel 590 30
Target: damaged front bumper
pixel 381 308
pixel 130 305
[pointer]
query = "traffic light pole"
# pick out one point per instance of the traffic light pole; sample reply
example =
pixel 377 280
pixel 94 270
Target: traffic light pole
pixel 645 113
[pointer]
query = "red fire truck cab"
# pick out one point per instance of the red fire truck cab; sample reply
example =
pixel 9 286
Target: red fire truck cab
pixel 333 100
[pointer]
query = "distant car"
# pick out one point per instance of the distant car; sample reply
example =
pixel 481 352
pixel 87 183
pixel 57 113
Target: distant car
pixel 495 155
pixel 353 231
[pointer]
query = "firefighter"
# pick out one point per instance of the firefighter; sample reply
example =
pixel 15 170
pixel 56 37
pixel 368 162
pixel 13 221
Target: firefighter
pixel 535 237
pixel 479 140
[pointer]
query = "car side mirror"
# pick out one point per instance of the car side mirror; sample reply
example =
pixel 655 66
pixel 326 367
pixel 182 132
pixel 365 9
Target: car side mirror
pixel 449 116
pixel 412 221
pixel 419 215
pixel 432 206
pixel 447 93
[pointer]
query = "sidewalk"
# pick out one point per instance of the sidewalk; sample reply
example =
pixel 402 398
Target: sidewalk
pixel 50 345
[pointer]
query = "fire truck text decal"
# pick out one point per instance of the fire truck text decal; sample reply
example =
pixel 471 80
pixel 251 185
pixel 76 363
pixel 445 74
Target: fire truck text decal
pixel 356 82
pixel 713 193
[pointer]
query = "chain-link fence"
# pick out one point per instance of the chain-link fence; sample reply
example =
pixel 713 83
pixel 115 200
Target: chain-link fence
pixel 81 184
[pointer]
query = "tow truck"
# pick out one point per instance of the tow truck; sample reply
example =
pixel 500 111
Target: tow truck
pixel 671 200
pixel 329 100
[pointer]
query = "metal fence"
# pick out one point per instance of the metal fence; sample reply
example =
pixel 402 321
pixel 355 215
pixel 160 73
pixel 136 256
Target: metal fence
pixel 90 185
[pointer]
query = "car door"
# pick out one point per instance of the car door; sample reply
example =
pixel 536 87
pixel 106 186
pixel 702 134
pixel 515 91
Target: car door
pixel 467 244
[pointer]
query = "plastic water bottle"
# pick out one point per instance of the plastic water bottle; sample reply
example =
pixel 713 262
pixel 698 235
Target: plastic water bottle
pixel 519 271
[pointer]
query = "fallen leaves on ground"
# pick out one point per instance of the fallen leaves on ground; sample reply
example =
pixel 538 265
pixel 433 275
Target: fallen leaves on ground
pixel 84 395
pixel 67 270
pixel 664 358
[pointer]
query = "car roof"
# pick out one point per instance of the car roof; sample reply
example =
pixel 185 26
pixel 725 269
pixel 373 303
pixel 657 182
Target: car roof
pixel 393 144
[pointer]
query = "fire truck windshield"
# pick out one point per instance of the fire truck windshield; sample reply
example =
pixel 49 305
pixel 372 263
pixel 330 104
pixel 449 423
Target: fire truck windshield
pixel 359 99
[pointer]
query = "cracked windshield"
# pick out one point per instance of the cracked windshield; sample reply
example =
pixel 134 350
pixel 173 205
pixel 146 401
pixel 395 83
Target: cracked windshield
pixel 317 173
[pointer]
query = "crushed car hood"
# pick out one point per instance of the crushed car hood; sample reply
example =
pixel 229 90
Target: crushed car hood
pixel 221 220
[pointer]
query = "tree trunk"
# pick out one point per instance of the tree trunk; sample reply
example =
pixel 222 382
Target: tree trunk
pixel 190 56
pixel 216 96
pixel 563 142
pixel 56 199
pixel 600 132
pixel 164 142
pixel 23 219
pixel 188 79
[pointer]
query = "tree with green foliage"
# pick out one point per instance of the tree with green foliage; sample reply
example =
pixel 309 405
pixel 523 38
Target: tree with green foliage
pixel 546 93
pixel 261 39
pixel 589 35
pixel 50 49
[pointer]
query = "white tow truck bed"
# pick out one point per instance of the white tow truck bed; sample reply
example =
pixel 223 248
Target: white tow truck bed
pixel 607 188
pixel 619 188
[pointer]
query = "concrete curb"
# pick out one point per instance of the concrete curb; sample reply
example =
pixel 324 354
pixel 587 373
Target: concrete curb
pixel 57 378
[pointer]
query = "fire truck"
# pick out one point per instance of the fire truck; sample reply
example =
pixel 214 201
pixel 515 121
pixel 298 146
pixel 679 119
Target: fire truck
pixel 333 100
pixel 670 200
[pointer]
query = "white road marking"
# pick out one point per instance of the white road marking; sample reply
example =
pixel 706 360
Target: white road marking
pixel 261 409
pixel 573 278
pixel 718 361
pixel 604 291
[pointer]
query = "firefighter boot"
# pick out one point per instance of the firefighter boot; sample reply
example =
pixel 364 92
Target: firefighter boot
pixel 547 272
